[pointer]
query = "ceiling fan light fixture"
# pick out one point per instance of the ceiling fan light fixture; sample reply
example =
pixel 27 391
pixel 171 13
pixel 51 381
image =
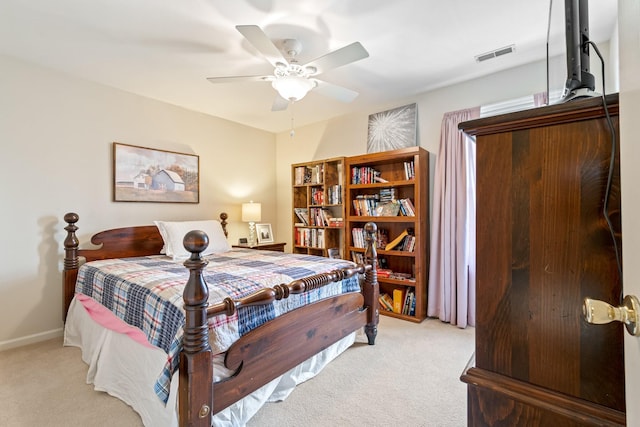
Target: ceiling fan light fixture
pixel 293 88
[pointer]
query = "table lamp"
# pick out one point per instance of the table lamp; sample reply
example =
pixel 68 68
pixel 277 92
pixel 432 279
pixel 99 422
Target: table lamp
pixel 251 213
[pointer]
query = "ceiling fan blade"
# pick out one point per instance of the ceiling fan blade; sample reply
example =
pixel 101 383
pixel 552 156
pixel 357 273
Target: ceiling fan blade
pixel 260 41
pixel 334 91
pixel 345 55
pixel 233 79
pixel 279 104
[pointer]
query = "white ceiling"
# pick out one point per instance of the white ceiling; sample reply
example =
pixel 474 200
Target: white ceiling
pixel 166 49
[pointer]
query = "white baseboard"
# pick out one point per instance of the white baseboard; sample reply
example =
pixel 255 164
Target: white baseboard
pixel 30 339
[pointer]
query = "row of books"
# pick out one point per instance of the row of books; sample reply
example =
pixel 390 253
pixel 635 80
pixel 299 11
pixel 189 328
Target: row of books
pixel 396 275
pixel 406 207
pixel 401 302
pixel 364 204
pixel 317 217
pixel 310 237
pixel 308 175
pixel 334 194
pixel 369 175
pixel 365 175
pixel 369 205
pixel 404 241
pixel 387 194
pixel 409 170
pixel 335 221
pixel 317 196
pixel 358 237
pixel 408 244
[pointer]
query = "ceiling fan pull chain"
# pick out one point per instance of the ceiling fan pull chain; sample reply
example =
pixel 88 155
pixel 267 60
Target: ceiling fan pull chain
pixel 292 132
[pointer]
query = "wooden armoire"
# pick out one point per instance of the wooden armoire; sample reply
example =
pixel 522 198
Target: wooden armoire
pixel 543 245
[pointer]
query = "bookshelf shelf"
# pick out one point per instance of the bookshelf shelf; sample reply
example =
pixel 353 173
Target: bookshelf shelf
pixel 380 219
pixel 383 252
pixel 318 206
pixel 405 173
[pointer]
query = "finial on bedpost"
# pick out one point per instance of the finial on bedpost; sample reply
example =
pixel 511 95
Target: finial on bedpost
pixel 196 294
pixel 71 242
pixel 71 263
pixel 196 396
pixel 371 290
pixel 223 222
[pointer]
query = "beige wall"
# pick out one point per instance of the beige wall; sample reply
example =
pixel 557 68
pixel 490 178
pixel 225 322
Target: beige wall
pixel 56 134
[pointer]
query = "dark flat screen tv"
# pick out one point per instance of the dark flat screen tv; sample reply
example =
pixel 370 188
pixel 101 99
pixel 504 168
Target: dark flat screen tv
pixel 580 82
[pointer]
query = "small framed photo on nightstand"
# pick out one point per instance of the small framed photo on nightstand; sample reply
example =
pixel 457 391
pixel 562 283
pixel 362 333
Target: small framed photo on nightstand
pixel 264 233
pixel 333 253
pixel 243 241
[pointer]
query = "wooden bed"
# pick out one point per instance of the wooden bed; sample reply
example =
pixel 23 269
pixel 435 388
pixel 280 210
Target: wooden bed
pixel 262 354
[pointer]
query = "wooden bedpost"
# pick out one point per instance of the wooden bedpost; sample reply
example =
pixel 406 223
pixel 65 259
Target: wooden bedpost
pixel 223 222
pixel 371 289
pixel 195 399
pixel 71 264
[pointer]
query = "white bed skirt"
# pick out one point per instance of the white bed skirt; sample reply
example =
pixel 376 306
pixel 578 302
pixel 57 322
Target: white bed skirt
pixel 126 369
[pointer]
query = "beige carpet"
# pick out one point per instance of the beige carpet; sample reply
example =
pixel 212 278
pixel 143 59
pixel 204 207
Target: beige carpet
pixel 409 378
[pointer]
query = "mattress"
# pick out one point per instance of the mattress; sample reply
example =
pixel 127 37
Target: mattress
pixel 146 293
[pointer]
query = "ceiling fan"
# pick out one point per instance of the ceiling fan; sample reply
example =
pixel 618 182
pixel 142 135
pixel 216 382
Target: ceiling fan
pixel 291 80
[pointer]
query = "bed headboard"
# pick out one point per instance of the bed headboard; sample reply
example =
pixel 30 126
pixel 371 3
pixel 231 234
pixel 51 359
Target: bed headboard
pixel 115 243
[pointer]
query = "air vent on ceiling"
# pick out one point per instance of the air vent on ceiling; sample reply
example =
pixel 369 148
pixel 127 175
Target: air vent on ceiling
pixel 496 53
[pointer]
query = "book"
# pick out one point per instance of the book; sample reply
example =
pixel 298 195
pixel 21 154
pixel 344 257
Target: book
pixel 302 214
pixel 386 302
pixel 400 276
pixel 384 272
pixel 395 242
pixel 387 209
pixel 336 222
pixel 398 300
pixel 412 309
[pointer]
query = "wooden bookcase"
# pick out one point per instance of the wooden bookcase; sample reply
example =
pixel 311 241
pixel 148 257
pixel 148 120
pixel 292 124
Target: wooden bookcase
pixel 318 189
pixel 373 179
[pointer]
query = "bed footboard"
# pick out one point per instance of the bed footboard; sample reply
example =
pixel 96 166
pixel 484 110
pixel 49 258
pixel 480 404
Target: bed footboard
pixel 274 348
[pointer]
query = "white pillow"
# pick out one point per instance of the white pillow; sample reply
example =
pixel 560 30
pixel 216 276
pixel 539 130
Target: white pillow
pixel 173 233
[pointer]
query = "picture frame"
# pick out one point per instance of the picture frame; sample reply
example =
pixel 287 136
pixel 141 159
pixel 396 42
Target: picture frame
pixel 264 233
pixel 142 174
pixel 393 129
pixel 333 253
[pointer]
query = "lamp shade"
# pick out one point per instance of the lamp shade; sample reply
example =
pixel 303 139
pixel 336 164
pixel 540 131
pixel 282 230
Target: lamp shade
pixel 251 212
pixel 293 88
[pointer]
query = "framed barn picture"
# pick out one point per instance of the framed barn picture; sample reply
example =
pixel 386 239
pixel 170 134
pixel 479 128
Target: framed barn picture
pixel 150 175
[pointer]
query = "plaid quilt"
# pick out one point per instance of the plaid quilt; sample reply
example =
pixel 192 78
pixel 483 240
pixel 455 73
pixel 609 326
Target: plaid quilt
pixel 146 292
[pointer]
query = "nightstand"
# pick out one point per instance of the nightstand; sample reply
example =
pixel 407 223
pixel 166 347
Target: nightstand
pixel 276 247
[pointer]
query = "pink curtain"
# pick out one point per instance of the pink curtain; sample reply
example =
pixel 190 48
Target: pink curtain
pixel 452 266
pixel 540 99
